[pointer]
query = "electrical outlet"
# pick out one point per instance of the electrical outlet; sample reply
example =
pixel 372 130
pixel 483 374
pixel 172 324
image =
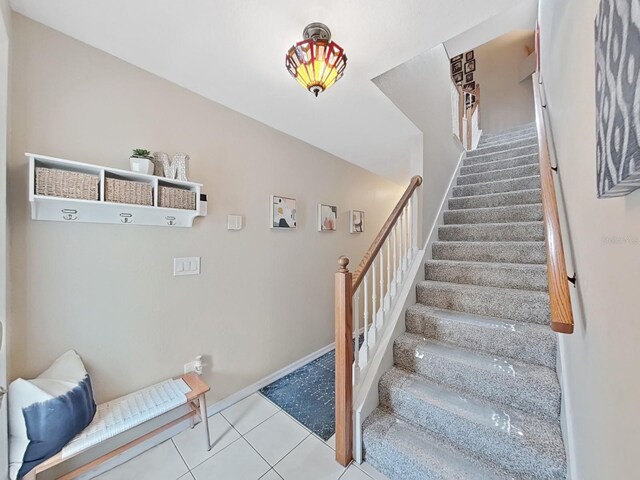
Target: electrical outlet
pixel 195 366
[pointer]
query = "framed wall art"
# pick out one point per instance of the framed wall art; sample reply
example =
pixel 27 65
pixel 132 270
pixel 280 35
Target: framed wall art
pixel 283 212
pixel 356 221
pixel 470 66
pixel 327 217
pixel 617 32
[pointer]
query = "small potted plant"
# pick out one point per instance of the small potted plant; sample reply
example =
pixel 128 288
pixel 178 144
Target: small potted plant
pixel 141 161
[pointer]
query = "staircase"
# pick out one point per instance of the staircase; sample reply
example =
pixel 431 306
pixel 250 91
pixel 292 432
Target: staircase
pixel 473 393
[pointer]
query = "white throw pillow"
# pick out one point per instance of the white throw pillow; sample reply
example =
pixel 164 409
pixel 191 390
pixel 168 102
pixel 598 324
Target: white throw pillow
pixel 47 412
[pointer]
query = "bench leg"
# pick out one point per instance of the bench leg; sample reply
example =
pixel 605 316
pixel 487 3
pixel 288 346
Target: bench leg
pixel 205 420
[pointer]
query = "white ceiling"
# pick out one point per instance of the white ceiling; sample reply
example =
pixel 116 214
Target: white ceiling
pixel 232 51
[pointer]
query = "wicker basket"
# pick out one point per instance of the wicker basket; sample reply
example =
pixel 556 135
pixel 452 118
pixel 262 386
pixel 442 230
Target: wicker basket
pixel 62 183
pixel 176 198
pixel 127 191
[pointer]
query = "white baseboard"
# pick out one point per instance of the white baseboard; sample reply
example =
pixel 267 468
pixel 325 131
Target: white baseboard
pixel 439 220
pixel 263 382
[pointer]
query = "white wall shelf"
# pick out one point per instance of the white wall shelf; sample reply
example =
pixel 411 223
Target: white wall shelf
pixel 46 207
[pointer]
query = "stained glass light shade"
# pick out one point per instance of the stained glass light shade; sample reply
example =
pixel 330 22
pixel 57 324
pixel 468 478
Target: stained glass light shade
pixel 316 62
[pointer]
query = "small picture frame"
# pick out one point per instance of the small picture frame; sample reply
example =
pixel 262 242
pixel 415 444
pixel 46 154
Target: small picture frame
pixel 470 66
pixel 283 212
pixel 468 77
pixel 458 77
pixel 356 221
pixel 471 86
pixel 456 67
pixel 469 56
pixel 456 58
pixel 327 218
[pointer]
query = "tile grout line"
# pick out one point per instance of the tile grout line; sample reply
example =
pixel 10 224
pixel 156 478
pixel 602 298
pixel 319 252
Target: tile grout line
pixel 289 452
pixel 181 457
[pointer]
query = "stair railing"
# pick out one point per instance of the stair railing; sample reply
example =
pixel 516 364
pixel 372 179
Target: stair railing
pixel 465 108
pixel 557 278
pixel 364 300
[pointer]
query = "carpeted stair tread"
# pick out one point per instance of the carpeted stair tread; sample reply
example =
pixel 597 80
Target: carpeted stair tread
pixel 507 139
pixel 500 164
pixel 521 141
pixel 507 303
pixel 526 342
pixel 532 388
pixel 403 451
pixel 507 214
pixel 493 232
pixel 501 155
pixel 517 441
pixel 502 275
pixel 492 252
pixel 498 186
pixel 504 174
pixel 519 197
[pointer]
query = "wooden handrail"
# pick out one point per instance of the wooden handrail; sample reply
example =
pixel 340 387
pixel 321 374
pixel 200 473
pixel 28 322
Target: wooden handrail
pixel 558 280
pixel 378 242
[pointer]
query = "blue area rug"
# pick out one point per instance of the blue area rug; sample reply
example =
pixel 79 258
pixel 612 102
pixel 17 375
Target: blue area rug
pixel 308 394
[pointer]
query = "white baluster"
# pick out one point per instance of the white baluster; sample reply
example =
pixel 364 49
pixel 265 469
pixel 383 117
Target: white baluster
pixel 410 230
pixel 356 344
pixel 374 294
pixel 394 280
pixel 380 316
pixel 364 350
pixel 414 219
pixel 387 297
pixel 405 238
pixel 399 247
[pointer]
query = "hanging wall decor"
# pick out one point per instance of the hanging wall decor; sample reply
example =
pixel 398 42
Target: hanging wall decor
pixel 327 217
pixel 283 212
pixel 356 221
pixel 470 66
pixel 617 44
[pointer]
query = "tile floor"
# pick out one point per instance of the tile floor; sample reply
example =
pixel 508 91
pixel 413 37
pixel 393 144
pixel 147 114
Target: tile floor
pixel 253 439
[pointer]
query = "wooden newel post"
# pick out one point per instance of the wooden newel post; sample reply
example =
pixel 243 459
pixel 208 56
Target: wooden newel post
pixel 344 363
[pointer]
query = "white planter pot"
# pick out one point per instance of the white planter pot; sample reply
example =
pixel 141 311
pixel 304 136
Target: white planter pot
pixel 141 165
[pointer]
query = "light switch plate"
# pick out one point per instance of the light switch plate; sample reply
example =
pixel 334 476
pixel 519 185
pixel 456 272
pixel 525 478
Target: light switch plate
pixel 186 266
pixel 234 222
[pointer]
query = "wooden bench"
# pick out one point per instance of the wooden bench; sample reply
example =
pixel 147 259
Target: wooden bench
pixel 197 408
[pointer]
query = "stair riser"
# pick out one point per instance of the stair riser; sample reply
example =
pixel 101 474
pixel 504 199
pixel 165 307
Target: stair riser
pixel 492 385
pixel 523 141
pixel 490 444
pixel 506 174
pixel 398 467
pixel 478 252
pixel 488 275
pixel 528 345
pixel 517 213
pixel 522 307
pixel 500 165
pixel 526 183
pixel 496 200
pixel 502 155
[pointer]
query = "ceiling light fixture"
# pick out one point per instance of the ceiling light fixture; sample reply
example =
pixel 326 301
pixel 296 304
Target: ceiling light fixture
pixel 316 62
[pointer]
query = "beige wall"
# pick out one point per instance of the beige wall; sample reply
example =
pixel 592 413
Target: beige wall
pixel 505 100
pixel 5 29
pixel 421 88
pixel 601 359
pixel 265 297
